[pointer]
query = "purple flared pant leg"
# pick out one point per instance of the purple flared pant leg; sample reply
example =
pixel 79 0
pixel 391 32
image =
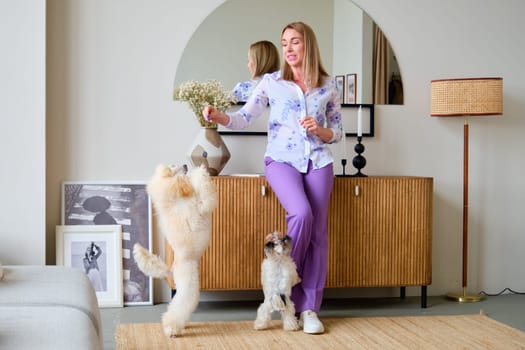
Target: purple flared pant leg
pixel 305 197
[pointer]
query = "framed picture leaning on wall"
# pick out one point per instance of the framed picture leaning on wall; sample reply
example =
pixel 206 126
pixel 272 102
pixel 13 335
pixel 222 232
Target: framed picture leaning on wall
pixel 115 203
pixel 96 250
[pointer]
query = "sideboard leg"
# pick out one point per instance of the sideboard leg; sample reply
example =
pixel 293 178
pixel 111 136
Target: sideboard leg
pixel 402 292
pixel 424 297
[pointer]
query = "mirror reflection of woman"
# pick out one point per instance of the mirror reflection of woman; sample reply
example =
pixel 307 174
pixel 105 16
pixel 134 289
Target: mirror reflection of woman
pixel 91 268
pixel 305 116
pixel 263 57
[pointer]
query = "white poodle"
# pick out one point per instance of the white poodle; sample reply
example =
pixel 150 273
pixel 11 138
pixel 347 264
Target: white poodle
pixel 278 276
pixel 184 201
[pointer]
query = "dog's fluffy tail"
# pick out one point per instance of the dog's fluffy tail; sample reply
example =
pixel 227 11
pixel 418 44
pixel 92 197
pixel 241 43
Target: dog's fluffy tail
pixel 149 263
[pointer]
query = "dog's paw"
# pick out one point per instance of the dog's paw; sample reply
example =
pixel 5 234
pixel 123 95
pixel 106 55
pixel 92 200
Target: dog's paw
pixel 171 325
pixel 259 325
pixel 290 324
pixel 171 330
pixel 163 170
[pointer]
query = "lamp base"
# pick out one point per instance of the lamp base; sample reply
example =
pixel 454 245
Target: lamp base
pixel 465 297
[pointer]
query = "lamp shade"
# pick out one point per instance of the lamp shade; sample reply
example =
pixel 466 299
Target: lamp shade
pixel 471 96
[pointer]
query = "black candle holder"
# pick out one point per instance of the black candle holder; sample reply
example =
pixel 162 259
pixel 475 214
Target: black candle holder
pixel 359 161
pixel 343 163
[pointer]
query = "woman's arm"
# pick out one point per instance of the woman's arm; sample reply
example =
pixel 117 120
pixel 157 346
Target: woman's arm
pixel 334 120
pixel 333 131
pixel 99 251
pixel 242 118
pixel 312 128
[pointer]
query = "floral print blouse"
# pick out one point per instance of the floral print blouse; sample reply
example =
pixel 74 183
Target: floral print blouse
pixel 288 141
pixel 243 90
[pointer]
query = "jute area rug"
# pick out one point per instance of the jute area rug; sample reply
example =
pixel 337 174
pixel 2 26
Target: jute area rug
pixel 411 332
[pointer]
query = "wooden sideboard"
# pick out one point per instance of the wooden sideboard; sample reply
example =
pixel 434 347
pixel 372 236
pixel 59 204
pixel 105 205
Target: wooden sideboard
pixel 380 233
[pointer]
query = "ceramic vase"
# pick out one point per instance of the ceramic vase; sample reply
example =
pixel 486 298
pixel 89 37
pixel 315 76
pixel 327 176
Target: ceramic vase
pixel 208 148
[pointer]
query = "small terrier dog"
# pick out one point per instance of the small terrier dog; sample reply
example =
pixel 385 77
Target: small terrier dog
pixel 184 200
pixel 278 276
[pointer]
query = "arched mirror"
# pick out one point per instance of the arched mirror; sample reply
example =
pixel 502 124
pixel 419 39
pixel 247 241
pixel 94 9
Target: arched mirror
pixel 349 40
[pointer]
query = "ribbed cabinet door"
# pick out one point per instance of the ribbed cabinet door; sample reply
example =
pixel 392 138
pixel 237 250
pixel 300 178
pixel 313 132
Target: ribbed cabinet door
pixel 380 232
pixel 247 211
pixel 347 214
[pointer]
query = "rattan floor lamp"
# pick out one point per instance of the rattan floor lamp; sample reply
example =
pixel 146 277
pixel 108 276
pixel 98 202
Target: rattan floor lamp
pixel 466 97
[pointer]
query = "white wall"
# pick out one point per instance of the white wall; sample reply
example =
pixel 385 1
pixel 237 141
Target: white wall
pixel 110 71
pixel 460 39
pixel 219 43
pixel 22 132
pixel 353 29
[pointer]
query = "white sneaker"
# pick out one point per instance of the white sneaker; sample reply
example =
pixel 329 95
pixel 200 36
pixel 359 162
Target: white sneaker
pixel 311 323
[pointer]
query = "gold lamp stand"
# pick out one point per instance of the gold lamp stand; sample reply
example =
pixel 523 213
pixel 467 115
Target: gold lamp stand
pixel 466 97
pixel 465 297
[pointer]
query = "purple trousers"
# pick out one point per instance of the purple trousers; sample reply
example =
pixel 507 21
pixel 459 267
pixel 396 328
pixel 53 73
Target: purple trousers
pixel 305 198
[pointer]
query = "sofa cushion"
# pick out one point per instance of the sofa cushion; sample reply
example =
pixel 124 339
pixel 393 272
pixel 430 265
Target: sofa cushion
pixel 47 327
pixel 41 292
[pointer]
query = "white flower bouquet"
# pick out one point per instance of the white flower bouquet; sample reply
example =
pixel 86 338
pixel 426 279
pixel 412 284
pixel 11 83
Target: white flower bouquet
pixel 199 95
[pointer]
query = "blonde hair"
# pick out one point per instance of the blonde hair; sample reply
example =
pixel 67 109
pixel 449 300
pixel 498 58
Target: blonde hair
pixel 314 71
pixel 265 57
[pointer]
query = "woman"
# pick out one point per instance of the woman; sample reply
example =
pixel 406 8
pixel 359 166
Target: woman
pixel 304 118
pixel 91 256
pixel 263 57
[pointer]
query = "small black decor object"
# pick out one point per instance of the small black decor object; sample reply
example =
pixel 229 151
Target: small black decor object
pixel 359 161
pixel 343 163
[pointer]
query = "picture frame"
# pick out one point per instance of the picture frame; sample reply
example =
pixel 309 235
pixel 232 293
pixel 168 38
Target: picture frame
pixel 96 250
pixel 351 89
pixel 115 202
pixel 340 83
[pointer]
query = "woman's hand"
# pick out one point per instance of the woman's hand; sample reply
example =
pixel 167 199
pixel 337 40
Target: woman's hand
pixel 208 113
pixel 211 114
pixel 312 128
pixel 310 124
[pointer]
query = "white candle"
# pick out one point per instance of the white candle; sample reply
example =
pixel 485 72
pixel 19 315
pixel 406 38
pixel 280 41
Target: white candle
pixel 359 122
pixel 344 144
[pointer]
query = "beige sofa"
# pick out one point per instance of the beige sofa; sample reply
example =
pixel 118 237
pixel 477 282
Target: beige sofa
pixel 48 307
